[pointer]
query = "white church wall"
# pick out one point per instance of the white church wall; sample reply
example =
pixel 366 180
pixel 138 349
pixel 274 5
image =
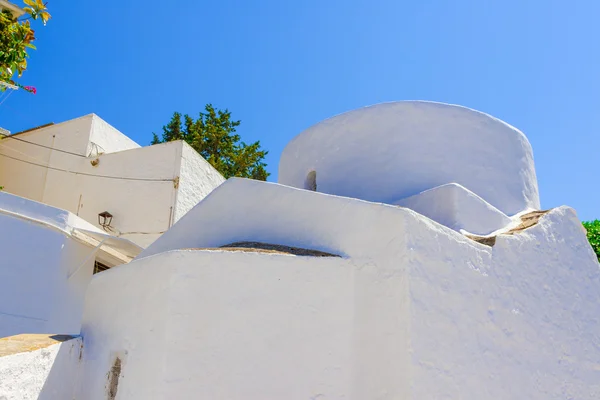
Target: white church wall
pixel 390 151
pixel 481 318
pixel 245 209
pixel 197 178
pixel 44 373
pixel 138 338
pixel 458 208
pixel 37 295
pixel 430 316
pixel 212 324
pixel 518 320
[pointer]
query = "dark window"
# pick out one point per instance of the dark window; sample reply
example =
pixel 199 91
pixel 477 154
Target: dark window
pixel 99 267
pixel 311 181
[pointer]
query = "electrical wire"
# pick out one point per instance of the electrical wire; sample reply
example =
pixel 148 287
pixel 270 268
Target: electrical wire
pixel 87 174
pixel 6 97
pixel 107 228
pixel 41 145
pixel 21 153
pixel 33 143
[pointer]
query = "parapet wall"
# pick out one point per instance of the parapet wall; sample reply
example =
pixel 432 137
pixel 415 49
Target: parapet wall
pixel 234 325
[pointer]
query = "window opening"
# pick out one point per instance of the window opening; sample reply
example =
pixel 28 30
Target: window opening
pixel 311 181
pixel 99 267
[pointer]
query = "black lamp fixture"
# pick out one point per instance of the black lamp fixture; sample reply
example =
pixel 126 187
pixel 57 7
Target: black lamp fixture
pixel 104 219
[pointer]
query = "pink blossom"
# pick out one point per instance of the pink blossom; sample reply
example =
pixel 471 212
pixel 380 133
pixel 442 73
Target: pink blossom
pixel 30 89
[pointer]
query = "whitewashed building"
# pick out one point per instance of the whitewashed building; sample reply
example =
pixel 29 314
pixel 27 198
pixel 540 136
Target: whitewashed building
pixel 80 197
pixel 47 258
pixel 368 272
pixel 87 167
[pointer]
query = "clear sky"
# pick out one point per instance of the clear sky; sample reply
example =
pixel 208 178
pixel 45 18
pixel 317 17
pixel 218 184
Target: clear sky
pixel 281 66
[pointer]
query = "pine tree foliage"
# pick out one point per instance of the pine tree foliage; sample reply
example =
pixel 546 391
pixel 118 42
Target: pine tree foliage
pixel 213 135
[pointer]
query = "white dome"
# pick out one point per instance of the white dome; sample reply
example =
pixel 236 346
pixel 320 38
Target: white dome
pixel 390 151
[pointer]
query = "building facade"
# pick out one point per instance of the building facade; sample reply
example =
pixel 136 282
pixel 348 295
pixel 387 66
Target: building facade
pixel 87 167
pixel 353 280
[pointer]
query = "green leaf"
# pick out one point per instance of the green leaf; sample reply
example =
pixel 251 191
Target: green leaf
pixel 593 234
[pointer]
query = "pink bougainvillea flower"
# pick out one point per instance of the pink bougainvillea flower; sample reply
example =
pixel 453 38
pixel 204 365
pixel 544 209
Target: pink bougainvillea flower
pixel 30 89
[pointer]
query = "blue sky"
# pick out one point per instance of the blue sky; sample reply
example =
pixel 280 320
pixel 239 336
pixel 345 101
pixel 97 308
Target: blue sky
pixel 282 66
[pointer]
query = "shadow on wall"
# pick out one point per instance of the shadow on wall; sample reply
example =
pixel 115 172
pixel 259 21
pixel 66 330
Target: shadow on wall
pixel 63 377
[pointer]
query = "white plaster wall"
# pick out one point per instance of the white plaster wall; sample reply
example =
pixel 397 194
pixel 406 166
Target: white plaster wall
pixel 137 205
pixel 72 135
pixel 244 209
pixel 518 320
pixel 108 137
pixel 20 206
pixel 394 150
pixel 209 324
pixel 29 180
pixel 49 373
pixel 197 178
pixel 33 210
pixel 142 209
pixel 458 208
pixel 116 330
pixel 36 295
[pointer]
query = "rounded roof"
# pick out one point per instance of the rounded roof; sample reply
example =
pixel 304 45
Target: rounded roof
pixel 390 151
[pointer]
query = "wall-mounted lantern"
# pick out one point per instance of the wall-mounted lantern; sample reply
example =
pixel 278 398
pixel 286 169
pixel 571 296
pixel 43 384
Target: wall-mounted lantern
pixel 104 219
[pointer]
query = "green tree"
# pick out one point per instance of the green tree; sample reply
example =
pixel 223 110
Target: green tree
pixel 213 135
pixel 16 36
pixel 593 234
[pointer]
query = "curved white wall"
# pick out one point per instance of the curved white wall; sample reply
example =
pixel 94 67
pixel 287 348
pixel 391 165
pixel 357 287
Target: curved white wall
pixel 417 311
pixel 458 208
pixel 390 151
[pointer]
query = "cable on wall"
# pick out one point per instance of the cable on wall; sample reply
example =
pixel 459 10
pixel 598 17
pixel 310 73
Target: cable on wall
pixel 87 174
pixel 41 145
